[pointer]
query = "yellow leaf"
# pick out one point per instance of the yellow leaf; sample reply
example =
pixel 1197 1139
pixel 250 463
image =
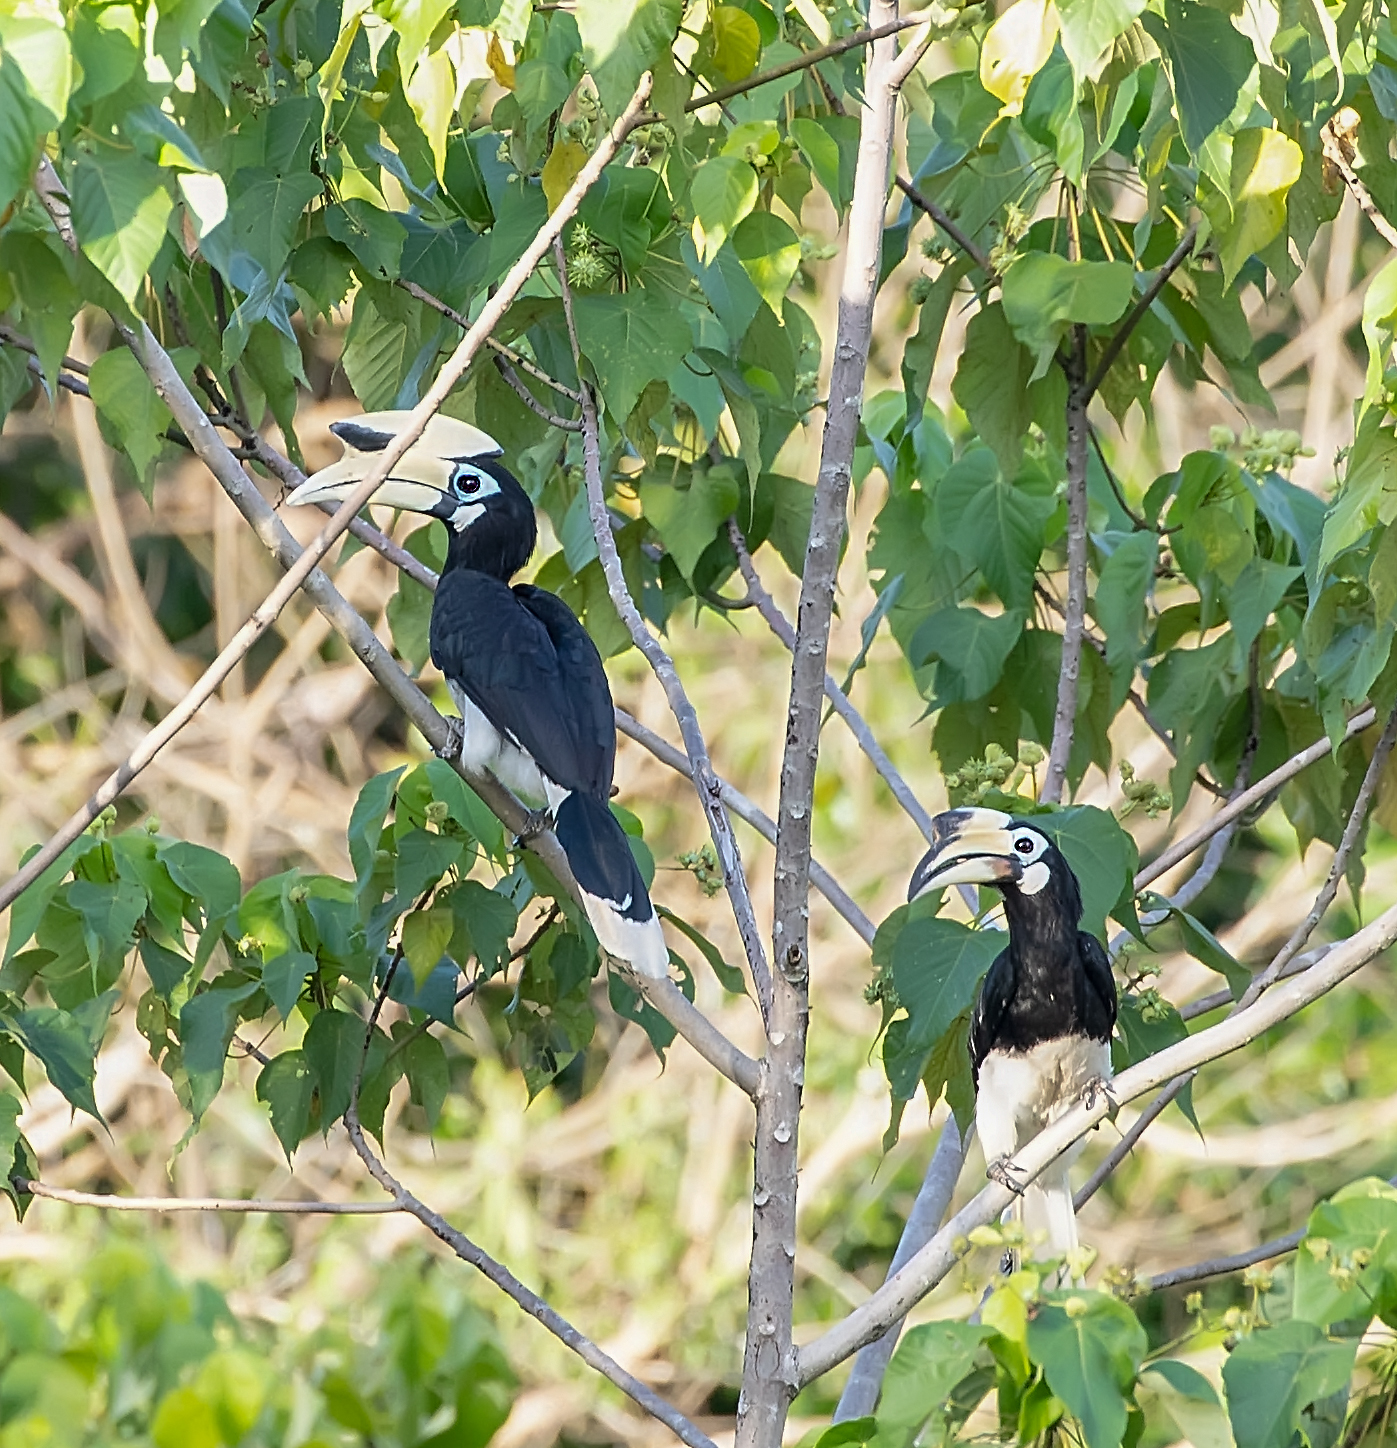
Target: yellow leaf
pixel 1016 48
pixel 332 72
pixel 560 170
pixel 737 42
pixel 431 93
pixel 503 70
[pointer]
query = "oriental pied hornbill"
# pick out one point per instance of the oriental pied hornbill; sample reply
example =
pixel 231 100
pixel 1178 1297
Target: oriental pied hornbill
pixel 1041 1028
pixel 535 705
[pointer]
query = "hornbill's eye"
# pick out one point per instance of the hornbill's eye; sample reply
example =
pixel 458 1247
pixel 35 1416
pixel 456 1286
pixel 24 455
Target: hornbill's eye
pixel 468 484
pixel 1024 845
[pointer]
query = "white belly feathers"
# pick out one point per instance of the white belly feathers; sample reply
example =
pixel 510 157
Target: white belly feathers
pixel 484 747
pixel 1022 1091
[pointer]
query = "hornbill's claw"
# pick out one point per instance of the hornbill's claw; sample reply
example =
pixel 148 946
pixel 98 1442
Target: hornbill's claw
pixel 1098 1086
pixel 1003 1171
pixel 455 737
pixel 535 822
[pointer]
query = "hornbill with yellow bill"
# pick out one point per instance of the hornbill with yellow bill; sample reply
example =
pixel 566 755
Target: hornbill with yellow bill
pixel 535 705
pixel 1040 1032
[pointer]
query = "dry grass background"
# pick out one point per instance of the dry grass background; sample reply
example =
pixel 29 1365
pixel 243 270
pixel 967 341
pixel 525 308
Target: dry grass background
pixel 628 1208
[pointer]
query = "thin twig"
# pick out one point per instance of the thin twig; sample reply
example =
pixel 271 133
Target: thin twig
pixel 17 339
pixel 1074 620
pixel 942 218
pixel 1131 320
pixel 938 1257
pixel 802 62
pixel 1357 821
pixel 1221 1266
pixel 777 621
pixel 706 784
pixel 112 1203
pixel 842 903
pixel 1334 153
pixel 1296 764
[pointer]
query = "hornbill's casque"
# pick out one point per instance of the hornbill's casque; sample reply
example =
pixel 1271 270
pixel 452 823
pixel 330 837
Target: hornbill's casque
pixel 535 705
pixel 1041 1028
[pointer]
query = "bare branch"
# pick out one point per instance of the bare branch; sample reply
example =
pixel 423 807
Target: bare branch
pixel 1234 809
pixel 1144 302
pixel 1221 1266
pixel 777 621
pixel 1338 151
pixel 860 1395
pixel 706 784
pixel 205 1204
pixel 770 1372
pixel 802 62
pixel 842 903
pixel 942 218
pixel 1357 820
pixel 1074 622
pixel 935 1260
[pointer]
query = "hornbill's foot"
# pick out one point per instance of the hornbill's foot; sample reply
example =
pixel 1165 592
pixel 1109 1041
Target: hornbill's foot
pixel 1003 1171
pixel 1098 1086
pixel 535 822
pixel 455 737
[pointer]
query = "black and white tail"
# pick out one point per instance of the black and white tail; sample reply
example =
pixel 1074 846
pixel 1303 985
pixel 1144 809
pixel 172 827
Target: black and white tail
pixel 617 902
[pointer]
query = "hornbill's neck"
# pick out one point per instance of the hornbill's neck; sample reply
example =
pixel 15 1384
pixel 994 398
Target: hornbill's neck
pixel 500 540
pixel 1043 926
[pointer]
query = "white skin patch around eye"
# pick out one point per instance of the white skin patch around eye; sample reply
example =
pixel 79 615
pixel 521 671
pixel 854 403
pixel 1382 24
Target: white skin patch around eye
pixel 1034 878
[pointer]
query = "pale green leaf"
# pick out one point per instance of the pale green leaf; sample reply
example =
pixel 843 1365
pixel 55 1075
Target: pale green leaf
pixel 1090 27
pixel 630 340
pixel 723 191
pixel 1265 165
pixel 120 206
pixel 41 50
pixel 621 39
pixel 770 253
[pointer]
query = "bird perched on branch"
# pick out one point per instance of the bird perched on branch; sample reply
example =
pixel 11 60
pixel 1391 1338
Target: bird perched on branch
pixel 535 705
pixel 1041 1028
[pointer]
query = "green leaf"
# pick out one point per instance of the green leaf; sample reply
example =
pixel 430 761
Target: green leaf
pixel 689 519
pixel 29 909
pixel 286 1085
pixel 770 252
pixel 120 206
pixel 991 384
pixel 428 1075
pixel 630 339
pixel 283 978
pixel 1090 1346
pixel 930 1360
pixel 366 824
pixel 207 1023
pixel 723 192
pixel 264 209
pixel 995 526
pixel 66 1051
pixel 1276 1372
pixel 937 965
pixel 1103 856
pixel 167 969
pixel 1361 1219
pixel 414 20
pixel 1208 62
pixel 972 644
pixel 630 1005
pixel 426 935
pixel 621 39
pixel 737 42
pixel 1089 27
pixel 1253 598
pixel 122 394
pixel 40 49
pixel 1204 946
pixel 1190 1401
pixel 375 237
pixel 1123 584
pixel 1044 293
pixel 1379 324
pixel 209 877
pixel 729 976
pixel 334 1047
pixel 423 858
pixel 486 922
pixel 1265 165
pixel 185 1420
pixel 465 808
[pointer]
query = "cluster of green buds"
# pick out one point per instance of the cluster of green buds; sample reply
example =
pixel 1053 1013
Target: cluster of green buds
pixel 1272 451
pixel 588 264
pixel 998 770
pixel 881 991
pixel 101 826
pixel 703 865
pixel 1142 794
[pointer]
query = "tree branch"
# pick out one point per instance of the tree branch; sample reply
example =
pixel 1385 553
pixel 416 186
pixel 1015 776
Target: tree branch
pixel 1074 622
pixel 745 809
pixel 907 1287
pixel 860 1395
pixel 767 606
pixel 802 62
pixel 942 218
pixel 1131 320
pixel 1339 154
pixel 770 1373
pixel 111 1203
pixel 1234 809
pixel 706 784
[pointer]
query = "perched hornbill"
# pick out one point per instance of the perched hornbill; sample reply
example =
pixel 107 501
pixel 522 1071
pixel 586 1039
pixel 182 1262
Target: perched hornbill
pixel 1041 1029
pixel 535 705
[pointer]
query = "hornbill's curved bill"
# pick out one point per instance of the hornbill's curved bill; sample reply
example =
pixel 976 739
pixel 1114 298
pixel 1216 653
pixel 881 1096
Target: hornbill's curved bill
pixel 1041 1028
pixel 535 706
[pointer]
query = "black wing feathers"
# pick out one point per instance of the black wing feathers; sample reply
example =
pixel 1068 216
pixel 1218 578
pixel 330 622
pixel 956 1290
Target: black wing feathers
pixel 1099 1003
pixel 991 1006
pixel 525 661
